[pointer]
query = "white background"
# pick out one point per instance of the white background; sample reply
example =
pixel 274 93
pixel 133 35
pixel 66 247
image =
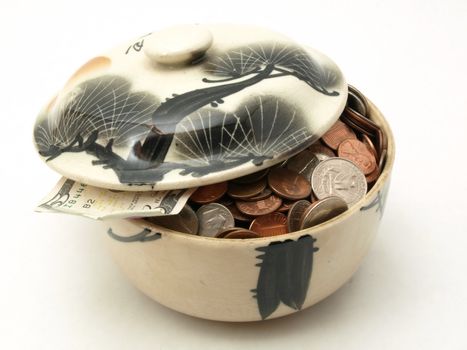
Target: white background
pixel 59 288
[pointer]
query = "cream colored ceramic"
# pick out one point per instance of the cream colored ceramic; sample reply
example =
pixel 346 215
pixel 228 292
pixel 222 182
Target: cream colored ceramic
pixel 188 106
pixel 255 279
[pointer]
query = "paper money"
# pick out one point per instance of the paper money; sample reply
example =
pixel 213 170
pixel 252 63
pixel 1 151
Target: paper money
pixel 72 197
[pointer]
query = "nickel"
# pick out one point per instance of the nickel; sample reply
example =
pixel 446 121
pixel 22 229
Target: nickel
pixel 213 218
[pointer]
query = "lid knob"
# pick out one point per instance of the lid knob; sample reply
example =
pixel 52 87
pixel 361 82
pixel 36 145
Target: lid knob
pixel 178 45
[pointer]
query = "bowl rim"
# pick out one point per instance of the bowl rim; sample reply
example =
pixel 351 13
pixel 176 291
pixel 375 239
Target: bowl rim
pixel 379 119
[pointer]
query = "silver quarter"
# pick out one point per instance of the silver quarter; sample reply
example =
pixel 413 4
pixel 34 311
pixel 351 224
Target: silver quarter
pixel 339 177
pixel 186 221
pixel 322 211
pixel 214 218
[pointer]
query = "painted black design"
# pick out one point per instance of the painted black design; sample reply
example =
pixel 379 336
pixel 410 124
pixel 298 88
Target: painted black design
pixel 240 136
pixel 265 61
pixel 285 274
pixel 260 62
pixel 131 132
pixel 379 202
pixel 137 46
pixel 146 235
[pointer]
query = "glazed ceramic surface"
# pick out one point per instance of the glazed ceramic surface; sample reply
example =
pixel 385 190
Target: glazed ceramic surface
pixel 253 279
pixel 189 106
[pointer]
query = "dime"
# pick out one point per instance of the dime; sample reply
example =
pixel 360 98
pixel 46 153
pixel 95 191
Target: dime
pixel 242 191
pixel 339 177
pixel 295 215
pixel 303 163
pixel 213 218
pixel 321 151
pixel 242 234
pixel 209 193
pixel 372 177
pixel 321 211
pixel 261 207
pixel 357 152
pixel 186 221
pixel 289 184
pixel 272 224
pixel 251 177
pixel 338 133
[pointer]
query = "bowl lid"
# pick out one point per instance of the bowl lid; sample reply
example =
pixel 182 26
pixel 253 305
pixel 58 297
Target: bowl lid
pixel 189 106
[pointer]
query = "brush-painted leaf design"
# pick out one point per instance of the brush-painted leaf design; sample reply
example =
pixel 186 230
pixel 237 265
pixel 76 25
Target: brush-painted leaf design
pixel 302 265
pixel 267 290
pixel 146 235
pixel 285 273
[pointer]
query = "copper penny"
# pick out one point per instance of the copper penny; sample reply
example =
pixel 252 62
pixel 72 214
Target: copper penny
pixel 359 122
pixel 272 224
pixel 373 176
pixel 289 184
pixel 368 143
pixel 261 207
pixel 338 133
pixel 242 234
pixel 241 191
pixel 362 101
pixel 263 195
pixel 209 193
pixel 225 232
pixel 237 214
pixel 356 151
pixel 355 102
pixel 295 215
pixel 251 177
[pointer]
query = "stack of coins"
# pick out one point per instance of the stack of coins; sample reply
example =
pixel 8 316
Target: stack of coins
pixel 308 189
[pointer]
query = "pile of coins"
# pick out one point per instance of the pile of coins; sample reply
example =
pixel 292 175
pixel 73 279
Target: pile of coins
pixel 310 188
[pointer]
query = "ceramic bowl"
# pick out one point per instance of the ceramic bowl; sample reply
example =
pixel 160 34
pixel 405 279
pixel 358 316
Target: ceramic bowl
pixel 253 279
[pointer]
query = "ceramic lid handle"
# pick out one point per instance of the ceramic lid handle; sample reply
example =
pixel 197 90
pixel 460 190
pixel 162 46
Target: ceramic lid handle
pixel 178 45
